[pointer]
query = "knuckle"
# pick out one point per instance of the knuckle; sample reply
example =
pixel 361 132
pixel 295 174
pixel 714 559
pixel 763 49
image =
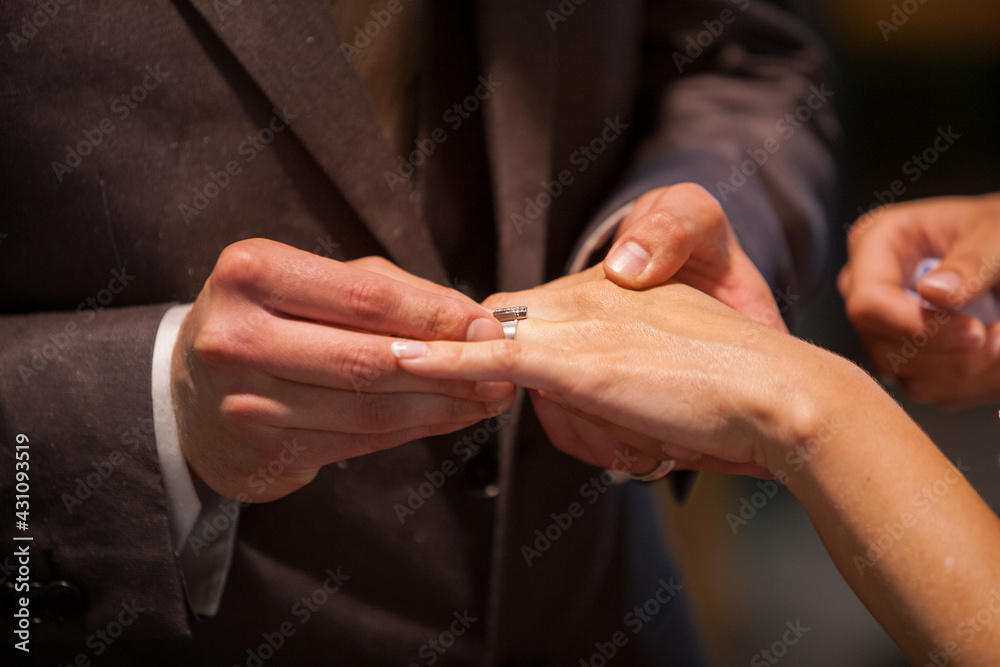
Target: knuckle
pixel 435 320
pixel 367 299
pixel 242 410
pixel 363 365
pixel 217 343
pixel 506 354
pixel 707 206
pixel 376 412
pixel 660 218
pixel 242 264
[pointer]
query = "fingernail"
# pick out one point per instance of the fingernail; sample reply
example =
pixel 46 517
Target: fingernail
pixel 408 349
pixel 628 259
pixel 966 339
pixel 945 281
pixel 483 329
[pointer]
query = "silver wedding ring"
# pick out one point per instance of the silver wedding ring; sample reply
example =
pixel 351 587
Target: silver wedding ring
pixel 509 318
pixel 659 472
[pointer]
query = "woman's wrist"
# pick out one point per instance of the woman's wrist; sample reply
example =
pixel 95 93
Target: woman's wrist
pixel 816 401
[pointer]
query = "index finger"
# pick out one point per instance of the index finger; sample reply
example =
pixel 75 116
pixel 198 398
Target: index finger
pixel 529 365
pixel 309 287
pixel 662 232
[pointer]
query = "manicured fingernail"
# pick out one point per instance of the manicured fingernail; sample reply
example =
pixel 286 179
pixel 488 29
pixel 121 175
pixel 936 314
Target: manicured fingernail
pixel 482 329
pixel 408 349
pixel 628 259
pixel 944 281
pixel 966 339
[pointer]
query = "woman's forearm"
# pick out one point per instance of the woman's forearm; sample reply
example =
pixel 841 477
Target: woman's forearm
pixel 912 538
pixel 677 375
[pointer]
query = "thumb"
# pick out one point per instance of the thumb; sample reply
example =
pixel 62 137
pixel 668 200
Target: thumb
pixel 662 234
pixel 965 274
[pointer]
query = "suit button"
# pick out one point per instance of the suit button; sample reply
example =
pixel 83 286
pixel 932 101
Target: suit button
pixel 481 474
pixel 60 600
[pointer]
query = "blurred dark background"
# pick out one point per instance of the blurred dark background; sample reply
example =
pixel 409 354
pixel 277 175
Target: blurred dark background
pixel 940 69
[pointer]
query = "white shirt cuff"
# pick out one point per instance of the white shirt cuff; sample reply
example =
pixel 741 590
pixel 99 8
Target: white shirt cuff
pixel 205 554
pixel 182 499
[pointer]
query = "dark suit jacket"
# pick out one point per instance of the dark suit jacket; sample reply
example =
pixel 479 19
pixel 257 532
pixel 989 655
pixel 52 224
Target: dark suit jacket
pixel 138 139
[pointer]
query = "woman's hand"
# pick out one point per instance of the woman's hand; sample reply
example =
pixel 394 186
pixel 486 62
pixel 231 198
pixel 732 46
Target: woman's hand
pixel 677 375
pixel 669 372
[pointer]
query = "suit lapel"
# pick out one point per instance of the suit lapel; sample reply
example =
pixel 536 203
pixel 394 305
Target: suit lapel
pixel 292 52
pixel 518 49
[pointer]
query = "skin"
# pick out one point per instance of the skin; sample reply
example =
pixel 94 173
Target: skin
pixel 677 374
pixel 686 237
pixel 284 363
pixel 680 233
pixel 959 363
pixel 286 355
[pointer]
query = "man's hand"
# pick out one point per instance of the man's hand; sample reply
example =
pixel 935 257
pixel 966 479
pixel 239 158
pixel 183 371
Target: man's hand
pixel 940 356
pixel 681 233
pixel 284 365
pixel 676 233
